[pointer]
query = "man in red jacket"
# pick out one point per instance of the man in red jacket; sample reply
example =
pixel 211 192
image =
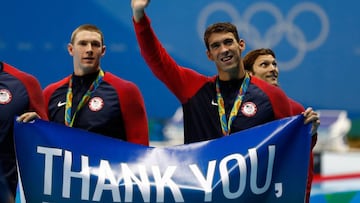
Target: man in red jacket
pixel 213 106
pixel 20 92
pixel 262 64
pixel 94 99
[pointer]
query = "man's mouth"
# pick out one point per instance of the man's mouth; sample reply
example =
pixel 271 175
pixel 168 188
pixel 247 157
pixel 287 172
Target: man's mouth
pixel 88 59
pixel 273 76
pixel 226 59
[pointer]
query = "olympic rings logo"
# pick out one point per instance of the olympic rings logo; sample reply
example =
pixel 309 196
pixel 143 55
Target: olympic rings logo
pixel 284 27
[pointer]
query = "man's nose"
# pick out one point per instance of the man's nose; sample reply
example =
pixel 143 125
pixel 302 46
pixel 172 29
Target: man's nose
pixel 89 48
pixel 223 48
pixel 273 66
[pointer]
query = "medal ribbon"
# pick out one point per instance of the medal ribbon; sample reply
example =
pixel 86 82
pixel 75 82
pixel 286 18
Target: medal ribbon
pixel 226 125
pixel 69 120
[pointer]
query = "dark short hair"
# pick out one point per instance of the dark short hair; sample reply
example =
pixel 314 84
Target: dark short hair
pixel 221 27
pixel 251 57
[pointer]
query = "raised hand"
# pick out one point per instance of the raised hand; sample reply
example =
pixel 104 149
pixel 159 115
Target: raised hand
pixel 138 7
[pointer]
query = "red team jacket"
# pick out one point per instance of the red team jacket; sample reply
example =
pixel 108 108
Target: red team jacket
pixel 115 109
pixel 262 102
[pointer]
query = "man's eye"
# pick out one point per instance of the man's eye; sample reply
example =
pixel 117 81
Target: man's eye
pixel 228 42
pixel 214 46
pixel 264 64
pixel 95 44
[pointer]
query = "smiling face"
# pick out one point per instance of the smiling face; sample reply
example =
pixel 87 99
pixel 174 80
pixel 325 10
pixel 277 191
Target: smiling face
pixel 224 47
pixel 262 64
pixel 87 49
pixel 225 51
pixel 265 68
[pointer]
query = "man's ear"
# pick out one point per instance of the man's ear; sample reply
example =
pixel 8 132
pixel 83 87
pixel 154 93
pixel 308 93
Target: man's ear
pixel 70 49
pixel 103 50
pixel 242 44
pixel 208 54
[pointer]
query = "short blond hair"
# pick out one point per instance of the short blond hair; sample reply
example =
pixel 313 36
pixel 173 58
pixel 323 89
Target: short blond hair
pixel 86 27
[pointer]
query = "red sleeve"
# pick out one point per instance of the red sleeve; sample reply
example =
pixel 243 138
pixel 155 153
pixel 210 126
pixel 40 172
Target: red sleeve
pixel 132 108
pixel 32 85
pixel 279 101
pixel 296 107
pixel 36 98
pixel 310 177
pixel 49 90
pixel 181 81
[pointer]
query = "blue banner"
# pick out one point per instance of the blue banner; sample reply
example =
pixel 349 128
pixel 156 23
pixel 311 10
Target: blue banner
pixel 263 164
